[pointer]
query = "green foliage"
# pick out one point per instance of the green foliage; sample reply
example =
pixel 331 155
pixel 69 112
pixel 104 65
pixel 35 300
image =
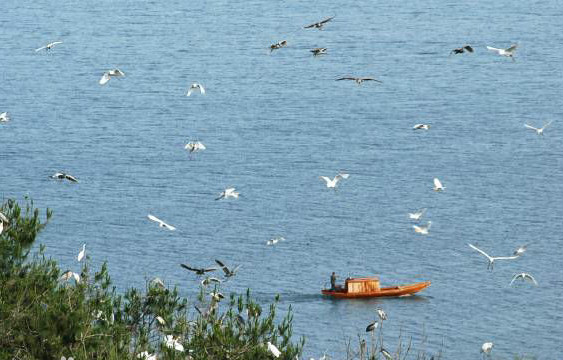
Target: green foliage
pixel 44 316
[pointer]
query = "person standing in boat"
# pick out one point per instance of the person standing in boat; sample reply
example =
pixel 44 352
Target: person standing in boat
pixel 333 281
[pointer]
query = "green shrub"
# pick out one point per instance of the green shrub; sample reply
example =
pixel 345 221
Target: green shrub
pixel 45 317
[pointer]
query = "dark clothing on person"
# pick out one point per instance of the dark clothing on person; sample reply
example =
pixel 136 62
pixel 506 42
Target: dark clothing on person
pixel 333 281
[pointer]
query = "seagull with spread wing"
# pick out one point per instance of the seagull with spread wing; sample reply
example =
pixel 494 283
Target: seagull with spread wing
pixel 319 25
pixel 492 259
pixel 417 215
pixel 359 80
pixel 110 74
pixel 438 185
pixel 525 277
pixel 331 183
pixel 49 46
pixel 64 176
pixel 196 87
pixel 4 117
pixel 161 223
pixel 229 192
pixel 422 229
pixel 505 52
pixel 540 130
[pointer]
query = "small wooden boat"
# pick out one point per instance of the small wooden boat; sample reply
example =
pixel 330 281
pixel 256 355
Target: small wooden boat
pixel 369 287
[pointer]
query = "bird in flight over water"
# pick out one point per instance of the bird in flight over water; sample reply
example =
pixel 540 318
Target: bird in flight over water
pixel 319 25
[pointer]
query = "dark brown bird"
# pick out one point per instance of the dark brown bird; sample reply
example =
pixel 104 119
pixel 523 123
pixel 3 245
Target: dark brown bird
pixel 278 45
pixel 318 51
pixel 359 80
pixel 319 25
pixel 228 272
pixel 198 271
pixel 461 50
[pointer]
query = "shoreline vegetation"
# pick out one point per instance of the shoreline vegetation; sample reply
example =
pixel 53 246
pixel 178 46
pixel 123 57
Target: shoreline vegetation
pixel 48 313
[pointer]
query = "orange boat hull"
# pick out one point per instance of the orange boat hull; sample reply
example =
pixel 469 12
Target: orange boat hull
pixel 401 290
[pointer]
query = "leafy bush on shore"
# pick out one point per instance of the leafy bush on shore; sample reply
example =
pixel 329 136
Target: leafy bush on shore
pixel 46 313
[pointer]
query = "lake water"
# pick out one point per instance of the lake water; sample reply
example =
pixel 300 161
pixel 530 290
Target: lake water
pixel 272 124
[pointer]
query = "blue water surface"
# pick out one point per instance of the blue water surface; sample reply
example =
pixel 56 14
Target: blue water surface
pixel 272 124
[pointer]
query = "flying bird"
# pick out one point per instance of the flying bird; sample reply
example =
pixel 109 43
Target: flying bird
pixel 198 271
pixel 525 277
pixel 228 193
pixel 521 250
pixel 319 25
pixel 278 45
pixel 505 52
pixel 492 258
pixel 275 240
pixel 274 350
pixel 359 80
pixel 110 74
pixel 438 185
pixel 228 272
pixel 64 176
pixel 196 87
pixel 423 230
pixel 161 223
pixel 417 215
pixel 331 183
pixel 48 46
pixel 421 127
pixel 540 130
pixel 194 146
pixel 462 49
pixel 318 51
pixel 4 117
pixel 487 347
pixel 81 253
pixel 209 280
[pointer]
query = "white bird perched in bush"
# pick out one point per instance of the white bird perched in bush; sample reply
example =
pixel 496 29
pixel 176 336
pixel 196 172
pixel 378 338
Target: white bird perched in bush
pixel 81 253
pixel 274 350
pixel 173 343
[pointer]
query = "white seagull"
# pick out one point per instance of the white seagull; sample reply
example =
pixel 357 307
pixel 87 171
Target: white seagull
pixel 524 276
pixel 521 250
pixel 146 356
pixel 421 127
pixel 48 46
pixel 275 240
pixel 417 215
pixel 493 258
pixel 505 52
pixel 331 183
pixel 540 130
pixel 63 176
pixel 81 253
pixel 3 220
pixel 196 87
pixel 161 223
pixel 274 350
pixel 4 117
pixel 173 343
pixel 194 146
pixel 109 74
pixel 487 347
pixel 438 185
pixel 229 192
pixel 423 230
